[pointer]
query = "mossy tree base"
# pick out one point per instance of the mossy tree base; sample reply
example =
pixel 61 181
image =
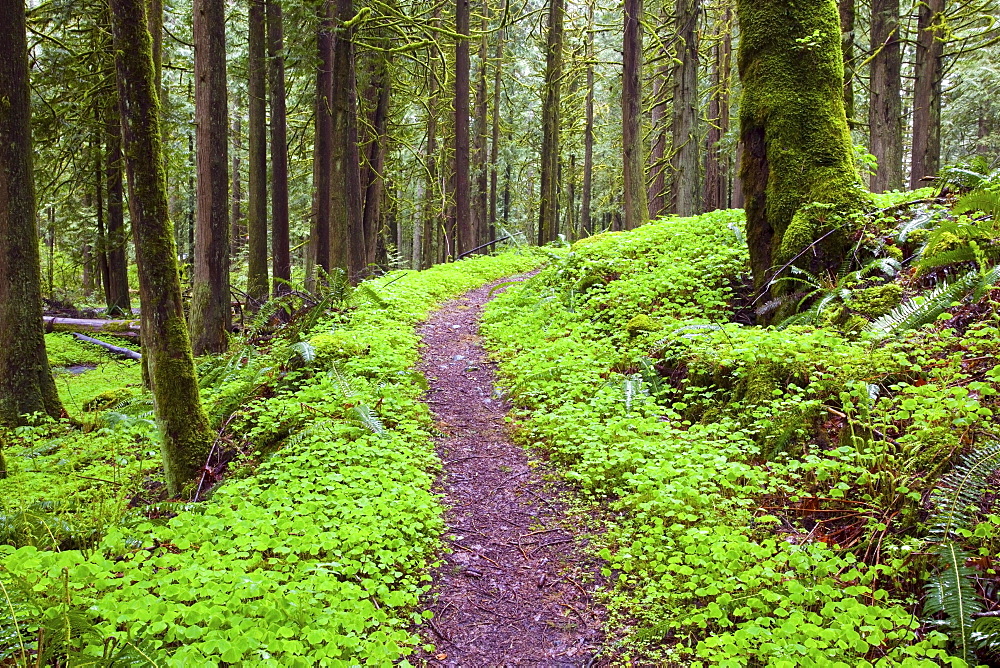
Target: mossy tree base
pixel 802 189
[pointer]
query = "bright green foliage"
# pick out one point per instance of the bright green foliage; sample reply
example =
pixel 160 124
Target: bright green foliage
pixel 709 444
pixel 321 555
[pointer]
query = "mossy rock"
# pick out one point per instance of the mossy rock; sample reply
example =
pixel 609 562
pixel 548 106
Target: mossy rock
pixel 337 345
pixel 106 400
pixel 642 323
pixel 876 301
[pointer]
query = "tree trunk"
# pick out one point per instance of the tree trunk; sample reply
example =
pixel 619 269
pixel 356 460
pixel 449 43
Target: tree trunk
pixel 684 162
pixel 658 194
pixel 347 227
pixel 373 181
pixel 928 72
pixel 480 205
pixel 495 139
pixel 797 148
pixel 117 237
pixel 236 213
pixel 26 384
pixel 716 164
pixel 586 224
pixel 211 318
pixel 847 42
pixel 548 220
pixel 463 205
pixel 323 146
pixel 636 205
pixel 257 284
pixel 281 260
pixel 166 347
pixel 885 108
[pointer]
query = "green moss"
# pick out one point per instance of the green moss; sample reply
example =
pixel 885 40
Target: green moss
pixel 876 301
pixel 337 345
pixel 798 170
pixel 642 323
pixel 108 399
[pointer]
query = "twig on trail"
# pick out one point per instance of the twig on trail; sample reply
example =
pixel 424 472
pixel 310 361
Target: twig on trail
pixel 441 634
pixel 586 595
pixel 481 556
pixel 555 542
pixel 462 459
pixel 505 483
pixel 542 499
pixel 494 612
pixel 578 613
pixel 535 533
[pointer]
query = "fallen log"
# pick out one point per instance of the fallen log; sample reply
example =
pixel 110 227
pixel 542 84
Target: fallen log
pixel 128 329
pixel 115 350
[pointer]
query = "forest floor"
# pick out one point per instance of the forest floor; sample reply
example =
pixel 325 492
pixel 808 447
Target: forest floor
pixel 516 584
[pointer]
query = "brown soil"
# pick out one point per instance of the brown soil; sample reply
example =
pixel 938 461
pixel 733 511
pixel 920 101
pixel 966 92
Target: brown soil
pixel 510 591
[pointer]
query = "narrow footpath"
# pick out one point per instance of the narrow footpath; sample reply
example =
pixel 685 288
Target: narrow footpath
pixel 509 592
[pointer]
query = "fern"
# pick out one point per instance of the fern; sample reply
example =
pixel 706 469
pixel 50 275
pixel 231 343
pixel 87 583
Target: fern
pixel 959 491
pixel 985 200
pixel 955 502
pixel 923 220
pixel 633 387
pixel 367 417
pixel 923 309
pixel 950 592
pixel 129 412
pixel 305 351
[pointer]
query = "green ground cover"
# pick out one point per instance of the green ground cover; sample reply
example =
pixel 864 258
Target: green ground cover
pixel 314 549
pixel 771 496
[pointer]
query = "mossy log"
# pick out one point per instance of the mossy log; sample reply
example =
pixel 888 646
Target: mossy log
pixel 128 329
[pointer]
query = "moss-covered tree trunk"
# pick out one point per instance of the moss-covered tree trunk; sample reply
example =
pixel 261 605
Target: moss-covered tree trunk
pixel 26 384
pixel 799 181
pixel 185 432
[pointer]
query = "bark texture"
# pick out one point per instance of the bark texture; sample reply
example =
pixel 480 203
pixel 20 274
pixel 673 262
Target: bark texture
pixel 885 117
pixel 323 146
pixel 166 346
pixel 586 224
pixel 847 42
pixel 636 205
pixel 797 168
pixel 281 261
pixel 26 384
pixel 548 220
pixel 347 226
pixel 257 281
pixel 463 204
pixel 928 72
pixel 716 187
pixel 211 317
pixel 116 240
pixel 684 192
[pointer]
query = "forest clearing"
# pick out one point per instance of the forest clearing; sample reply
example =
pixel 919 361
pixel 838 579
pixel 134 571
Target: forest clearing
pixel 353 333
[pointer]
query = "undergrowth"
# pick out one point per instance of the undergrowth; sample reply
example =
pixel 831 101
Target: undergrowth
pixel 315 547
pixel 769 493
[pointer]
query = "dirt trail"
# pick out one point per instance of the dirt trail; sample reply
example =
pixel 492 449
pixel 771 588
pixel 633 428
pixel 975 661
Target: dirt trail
pixel 508 593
